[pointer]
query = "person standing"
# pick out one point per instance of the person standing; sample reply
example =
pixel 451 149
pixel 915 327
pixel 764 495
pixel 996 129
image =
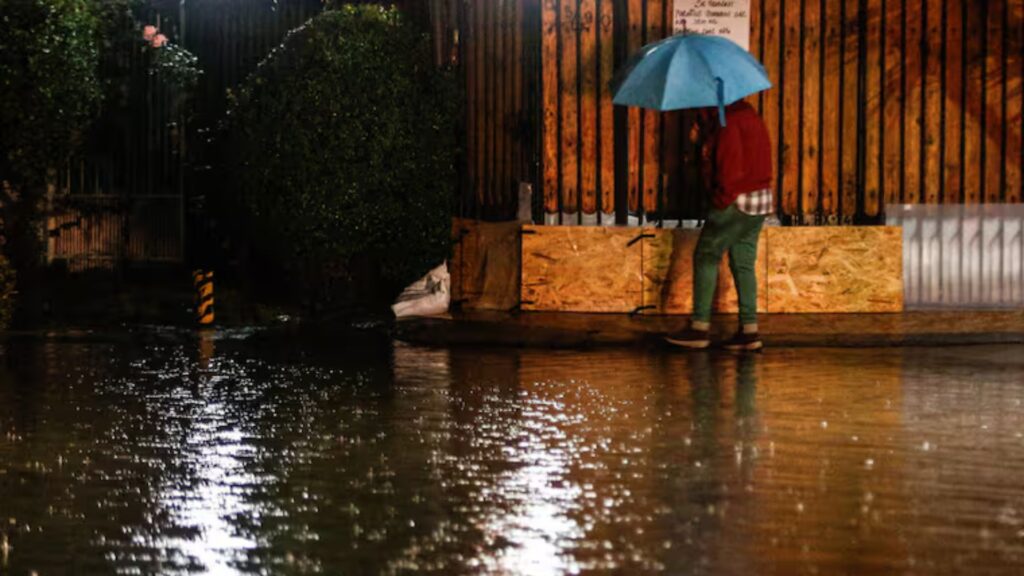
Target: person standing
pixel 740 166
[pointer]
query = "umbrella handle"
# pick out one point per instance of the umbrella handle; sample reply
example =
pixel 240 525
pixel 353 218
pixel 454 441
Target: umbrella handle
pixel 721 101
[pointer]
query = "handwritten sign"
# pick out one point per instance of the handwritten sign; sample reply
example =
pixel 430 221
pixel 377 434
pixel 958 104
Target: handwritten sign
pixel 728 18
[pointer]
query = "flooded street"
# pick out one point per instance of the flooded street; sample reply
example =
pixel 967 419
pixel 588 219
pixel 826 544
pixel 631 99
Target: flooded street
pixel 157 453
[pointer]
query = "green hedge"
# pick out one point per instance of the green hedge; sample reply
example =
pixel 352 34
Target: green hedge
pixel 342 156
pixel 49 91
pixel 49 88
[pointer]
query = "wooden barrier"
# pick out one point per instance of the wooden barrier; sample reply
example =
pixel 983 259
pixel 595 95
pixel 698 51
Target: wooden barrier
pixel 830 269
pixel 668 274
pixel 581 269
pixel 626 270
pixel 485 265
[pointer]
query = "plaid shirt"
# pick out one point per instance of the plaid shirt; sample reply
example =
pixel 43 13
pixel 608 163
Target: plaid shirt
pixel 757 203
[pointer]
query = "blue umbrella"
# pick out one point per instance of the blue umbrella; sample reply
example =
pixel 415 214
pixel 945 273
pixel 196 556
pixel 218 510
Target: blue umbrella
pixel 689 71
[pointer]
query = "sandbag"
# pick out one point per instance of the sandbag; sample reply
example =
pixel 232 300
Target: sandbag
pixel 428 296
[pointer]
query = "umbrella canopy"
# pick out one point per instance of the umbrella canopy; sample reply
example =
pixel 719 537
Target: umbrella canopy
pixel 689 71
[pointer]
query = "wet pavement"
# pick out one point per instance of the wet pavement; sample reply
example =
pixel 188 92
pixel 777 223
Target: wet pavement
pixel 157 453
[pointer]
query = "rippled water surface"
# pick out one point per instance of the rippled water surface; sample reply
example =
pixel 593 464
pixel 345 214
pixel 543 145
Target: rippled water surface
pixel 152 453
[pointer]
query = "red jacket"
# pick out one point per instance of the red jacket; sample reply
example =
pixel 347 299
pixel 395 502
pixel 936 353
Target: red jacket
pixel 743 155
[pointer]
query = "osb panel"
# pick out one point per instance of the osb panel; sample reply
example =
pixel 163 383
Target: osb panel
pixel 826 269
pixel 464 267
pixel 498 261
pixel 668 274
pixel 581 269
pixel 485 264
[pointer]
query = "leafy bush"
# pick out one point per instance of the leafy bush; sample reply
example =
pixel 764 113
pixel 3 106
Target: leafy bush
pixel 48 83
pixel 342 147
pixel 49 90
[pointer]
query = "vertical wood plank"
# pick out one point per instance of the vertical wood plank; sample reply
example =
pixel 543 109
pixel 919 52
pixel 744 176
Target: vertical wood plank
pixel 1014 100
pixel 482 98
pixel 500 65
pixel 570 101
pixel 607 113
pixel 670 150
pixel 932 181
pixel 634 42
pixel 503 65
pixel 755 39
pixel 830 159
pixel 892 108
pixel 549 102
pixel 521 171
pixel 652 120
pixel 672 160
pixel 771 17
pixel 791 119
pixel 469 65
pixel 913 81
pixel 811 119
pixel 954 100
pixel 509 118
pixel 491 105
pixel 975 63
pixel 994 126
pixel 588 105
pixel 872 108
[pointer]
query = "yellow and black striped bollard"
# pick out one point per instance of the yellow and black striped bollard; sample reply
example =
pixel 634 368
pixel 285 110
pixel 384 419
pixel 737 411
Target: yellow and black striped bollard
pixel 203 282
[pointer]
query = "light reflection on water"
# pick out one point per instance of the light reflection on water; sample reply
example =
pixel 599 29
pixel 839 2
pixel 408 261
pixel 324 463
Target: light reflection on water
pixel 236 456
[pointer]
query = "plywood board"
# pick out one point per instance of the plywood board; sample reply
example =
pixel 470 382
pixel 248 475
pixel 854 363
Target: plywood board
pixel 497 271
pixel 581 269
pixel 826 269
pixel 668 274
pixel 464 261
pixel 485 265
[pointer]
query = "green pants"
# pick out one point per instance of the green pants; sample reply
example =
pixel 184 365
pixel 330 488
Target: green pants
pixel 731 230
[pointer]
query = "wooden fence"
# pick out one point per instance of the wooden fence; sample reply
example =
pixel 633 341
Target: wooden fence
pixel 875 102
pixel 499 65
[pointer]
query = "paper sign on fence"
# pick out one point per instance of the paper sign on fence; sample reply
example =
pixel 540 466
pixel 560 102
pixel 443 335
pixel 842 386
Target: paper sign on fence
pixel 728 18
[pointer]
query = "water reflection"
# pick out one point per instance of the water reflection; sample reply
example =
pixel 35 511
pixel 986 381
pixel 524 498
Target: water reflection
pixel 228 454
